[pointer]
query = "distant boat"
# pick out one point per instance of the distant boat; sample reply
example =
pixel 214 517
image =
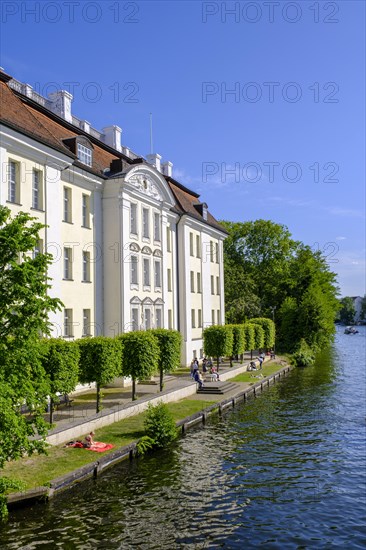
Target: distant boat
pixel 350 330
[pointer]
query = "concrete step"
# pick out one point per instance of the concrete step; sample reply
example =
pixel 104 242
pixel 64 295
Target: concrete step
pixel 218 388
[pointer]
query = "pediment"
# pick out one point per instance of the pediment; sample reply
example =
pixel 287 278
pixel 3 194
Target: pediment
pixel 135 247
pixel 157 253
pixel 135 300
pixel 149 182
pixel 146 250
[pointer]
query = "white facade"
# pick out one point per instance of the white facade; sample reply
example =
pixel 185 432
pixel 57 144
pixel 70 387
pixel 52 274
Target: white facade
pixel 126 254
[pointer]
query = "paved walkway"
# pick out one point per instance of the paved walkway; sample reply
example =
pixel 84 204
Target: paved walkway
pixel 83 405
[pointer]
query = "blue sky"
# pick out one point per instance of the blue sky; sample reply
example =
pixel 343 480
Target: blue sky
pixel 288 142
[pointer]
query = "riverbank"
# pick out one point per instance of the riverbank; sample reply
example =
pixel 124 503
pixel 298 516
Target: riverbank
pixel 47 475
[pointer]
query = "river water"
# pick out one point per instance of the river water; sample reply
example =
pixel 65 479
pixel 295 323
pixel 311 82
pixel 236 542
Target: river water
pixel 285 470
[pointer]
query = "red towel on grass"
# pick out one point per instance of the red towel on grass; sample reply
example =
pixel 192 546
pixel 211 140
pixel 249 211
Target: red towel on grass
pixel 100 447
pixel 97 447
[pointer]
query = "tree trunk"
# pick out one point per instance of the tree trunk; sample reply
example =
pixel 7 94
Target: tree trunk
pixel 231 360
pixel 98 397
pixel 241 358
pixel 161 379
pixel 217 363
pixel 134 389
pixel 251 354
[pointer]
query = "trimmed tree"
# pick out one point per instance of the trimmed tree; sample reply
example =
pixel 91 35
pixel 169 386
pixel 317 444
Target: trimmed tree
pixel 269 330
pixel 140 358
pixel 238 341
pixel 249 337
pixel 61 363
pixel 100 362
pixel 258 336
pixel 218 341
pixel 169 342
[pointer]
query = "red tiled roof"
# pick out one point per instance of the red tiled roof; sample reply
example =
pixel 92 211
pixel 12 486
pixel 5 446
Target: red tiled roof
pixel 33 120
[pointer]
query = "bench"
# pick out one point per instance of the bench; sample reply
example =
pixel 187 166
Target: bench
pixel 63 400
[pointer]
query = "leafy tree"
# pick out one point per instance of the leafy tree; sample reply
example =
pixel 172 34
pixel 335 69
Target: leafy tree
pixel 169 342
pixel 100 362
pixel 24 308
pixel 363 308
pixel 269 330
pixel 241 301
pixel 61 363
pixel 289 329
pixel 218 341
pixel 160 425
pixel 140 358
pixel 347 310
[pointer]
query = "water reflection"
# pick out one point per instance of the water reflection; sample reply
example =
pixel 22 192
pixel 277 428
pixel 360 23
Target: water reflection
pixel 285 470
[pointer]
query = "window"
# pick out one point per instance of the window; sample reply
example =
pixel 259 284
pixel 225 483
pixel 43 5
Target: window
pixel 146 278
pixel 133 219
pixel 193 316
pixel 213 316
pixel 211 251
pixel 169 280
pixel 217 285
pixel 199 287
pixel 147 319
pixel 37 189
pixel 198 246
pixel 158 318
pixel 68 328
pixel 134 280
pixel 145 223
pixel 84 154
pixel 218 316
pixel 168 239
pixel 192 281
pixel 85 211
pixel 157 273
pixel 13 182
pixel 212 284
pixel 86 322
pixel 217 253
pixel 135 318
pixel 67 263
pixel 157 227
pixel 194 354
pixel 170 319
pixel 191 244
pixel 86 267
pixel 38 249
pixel 199 318
pixel 67 205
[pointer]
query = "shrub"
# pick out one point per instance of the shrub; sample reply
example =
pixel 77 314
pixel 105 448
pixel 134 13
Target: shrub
pixel 258 336
pixel 238 340
pixel 140 357
pixel 249 336
pixel 304 356
pixel 160 425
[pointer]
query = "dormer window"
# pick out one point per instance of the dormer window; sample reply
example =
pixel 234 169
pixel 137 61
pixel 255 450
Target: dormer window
pixel 84 154
pixel 82 148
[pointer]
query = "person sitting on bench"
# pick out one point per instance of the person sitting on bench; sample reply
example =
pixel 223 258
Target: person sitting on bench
pixel 198 378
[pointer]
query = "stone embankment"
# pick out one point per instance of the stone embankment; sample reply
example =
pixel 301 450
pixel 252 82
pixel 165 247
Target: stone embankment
pixel 129 452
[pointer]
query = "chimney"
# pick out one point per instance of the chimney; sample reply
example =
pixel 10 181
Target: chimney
pixel 112 137
pixel 85 125
pixel 61 104
pixel 167 168
pixel 154 159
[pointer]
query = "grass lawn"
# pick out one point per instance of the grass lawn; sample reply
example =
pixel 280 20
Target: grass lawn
pixel 39 470
pixel 252 376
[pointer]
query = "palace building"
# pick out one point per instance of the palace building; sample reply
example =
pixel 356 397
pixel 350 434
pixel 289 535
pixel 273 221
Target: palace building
pixel 132 247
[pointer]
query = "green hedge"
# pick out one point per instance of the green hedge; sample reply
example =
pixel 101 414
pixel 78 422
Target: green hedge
pixel 249 336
